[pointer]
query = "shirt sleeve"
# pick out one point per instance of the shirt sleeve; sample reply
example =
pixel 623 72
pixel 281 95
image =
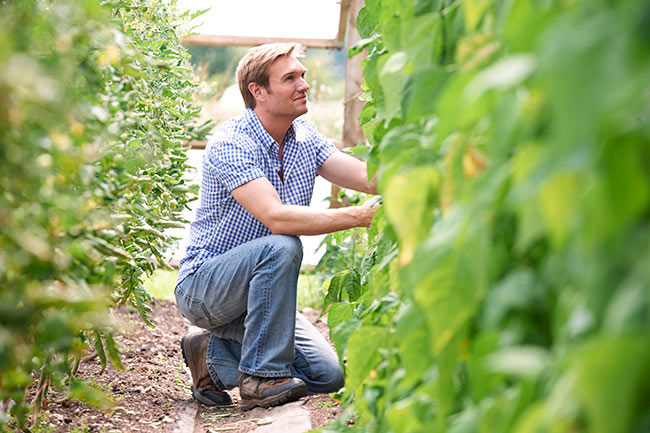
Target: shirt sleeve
pixel 324 149
pixel 235 164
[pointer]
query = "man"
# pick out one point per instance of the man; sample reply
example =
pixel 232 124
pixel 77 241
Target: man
pixel 238 279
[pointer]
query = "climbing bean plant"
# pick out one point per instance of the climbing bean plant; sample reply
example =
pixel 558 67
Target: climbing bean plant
pixel 96 103
pixel 507 285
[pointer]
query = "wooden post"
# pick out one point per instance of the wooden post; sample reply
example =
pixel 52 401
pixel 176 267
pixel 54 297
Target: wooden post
pixel 352 133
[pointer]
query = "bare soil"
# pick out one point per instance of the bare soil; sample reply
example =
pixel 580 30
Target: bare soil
pixel 153 390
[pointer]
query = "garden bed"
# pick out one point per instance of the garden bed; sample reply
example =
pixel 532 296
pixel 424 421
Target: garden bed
pixel 154 387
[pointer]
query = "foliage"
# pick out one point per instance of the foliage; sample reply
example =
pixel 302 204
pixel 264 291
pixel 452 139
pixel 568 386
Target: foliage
pixel 215 67
pixel 325 74
pixel 310 285
pixel 160 284
pixel 95 104
pixel 216 60
pixel 510 140
pixel 342 249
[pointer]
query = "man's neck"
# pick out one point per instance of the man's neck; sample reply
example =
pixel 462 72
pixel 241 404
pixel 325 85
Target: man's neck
pixel 277 127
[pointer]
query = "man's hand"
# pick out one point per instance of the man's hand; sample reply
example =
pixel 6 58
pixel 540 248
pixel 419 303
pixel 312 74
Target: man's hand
pixel 368 209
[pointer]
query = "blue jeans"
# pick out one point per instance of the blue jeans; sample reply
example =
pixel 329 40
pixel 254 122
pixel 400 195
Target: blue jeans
pixel 246 298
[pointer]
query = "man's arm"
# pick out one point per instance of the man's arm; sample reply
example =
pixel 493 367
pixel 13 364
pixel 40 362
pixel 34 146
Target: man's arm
pixel 348 172
pixel 261 199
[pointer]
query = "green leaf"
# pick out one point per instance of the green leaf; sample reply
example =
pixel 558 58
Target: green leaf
pixel 483 381
pixel 352 285
pixel 89 394
pixel 113 351
pixel 361 151
pixel 368 112
pixel 367 18
pixel 420 92
pixel 362 44
pixel 451 274
pixel 363 353
pixel 504 74
pixel 390 24
pixel 413 341
pixel 516 291
pixel 141 299
pixel 524 361
pixel 344 285
pixel 466 422
pixel 99 348
pixel 612 381
pixel 402 418
pixel 558 202
pixel 341 333
pixel 391 76
pixel 473 11
pixel 422 40
pixel 409 199
pixel 421 7
pixel 338 313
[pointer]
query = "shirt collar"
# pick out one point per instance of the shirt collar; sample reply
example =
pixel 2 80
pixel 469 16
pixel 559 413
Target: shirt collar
pixel 258 130
pixel 261 134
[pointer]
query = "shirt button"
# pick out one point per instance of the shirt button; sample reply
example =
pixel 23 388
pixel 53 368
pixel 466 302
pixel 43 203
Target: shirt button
pixel 276 168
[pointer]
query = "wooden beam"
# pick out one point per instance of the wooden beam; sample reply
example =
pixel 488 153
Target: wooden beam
pixel 251 41
pixel 197 144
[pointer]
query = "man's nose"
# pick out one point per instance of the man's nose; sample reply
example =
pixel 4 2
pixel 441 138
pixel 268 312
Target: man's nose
pixel 303 85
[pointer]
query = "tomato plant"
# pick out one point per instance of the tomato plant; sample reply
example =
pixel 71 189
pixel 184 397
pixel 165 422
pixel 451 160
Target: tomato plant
pixel 96 102
pixel 506 285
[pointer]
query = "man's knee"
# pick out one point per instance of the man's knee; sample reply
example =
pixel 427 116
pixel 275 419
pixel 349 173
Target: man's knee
pixel 287 246
pixel 329 377
pixel 336 381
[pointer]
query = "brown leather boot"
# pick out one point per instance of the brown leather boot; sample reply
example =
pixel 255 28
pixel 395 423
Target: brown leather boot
pixel 268 391
pixel 194 346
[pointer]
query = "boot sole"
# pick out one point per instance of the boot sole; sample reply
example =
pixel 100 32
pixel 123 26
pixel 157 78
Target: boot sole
pixel 207 402
pixel 274 400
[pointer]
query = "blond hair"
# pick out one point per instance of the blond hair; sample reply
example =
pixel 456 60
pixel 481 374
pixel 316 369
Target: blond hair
pixel 254 66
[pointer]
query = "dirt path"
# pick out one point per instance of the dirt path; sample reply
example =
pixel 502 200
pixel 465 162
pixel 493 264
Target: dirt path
pixel 152 393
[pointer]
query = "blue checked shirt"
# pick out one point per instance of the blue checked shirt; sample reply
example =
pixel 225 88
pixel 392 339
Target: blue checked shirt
pixel 241 150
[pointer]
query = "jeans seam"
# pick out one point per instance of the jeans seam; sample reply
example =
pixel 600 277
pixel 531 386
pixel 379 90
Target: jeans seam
pixel 309 365
pixel 259 350
pixel 213 362
pixel 264 373
pixel 211 371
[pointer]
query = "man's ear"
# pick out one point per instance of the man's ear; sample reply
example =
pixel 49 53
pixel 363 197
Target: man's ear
pixel 257 91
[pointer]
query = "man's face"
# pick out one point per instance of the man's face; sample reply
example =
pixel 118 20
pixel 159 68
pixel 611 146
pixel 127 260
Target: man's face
pixel 287 92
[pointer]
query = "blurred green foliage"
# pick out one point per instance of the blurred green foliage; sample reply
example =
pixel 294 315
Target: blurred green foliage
pixel 310 289
pixel 160 284
pixel 325 74
pixel 96 101
pixel 216 60
pixel 507 284
pixel 216 68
